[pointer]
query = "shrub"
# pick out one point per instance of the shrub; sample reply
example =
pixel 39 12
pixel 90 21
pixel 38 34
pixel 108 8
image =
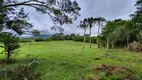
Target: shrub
pixel 110 72
pixel 39 40
pixel 22 72
pixel 135 47
pixel 48 39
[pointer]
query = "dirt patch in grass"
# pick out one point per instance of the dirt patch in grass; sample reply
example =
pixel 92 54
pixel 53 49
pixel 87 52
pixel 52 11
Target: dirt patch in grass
pixel 94 78
pixel 111 72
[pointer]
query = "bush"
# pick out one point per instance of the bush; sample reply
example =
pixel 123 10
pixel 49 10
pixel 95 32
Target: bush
pixel 22 72
pixel 78 38
pixel 110 72
pixel 39 40
pixel 48 39
pixel 94 39
pixel 135 47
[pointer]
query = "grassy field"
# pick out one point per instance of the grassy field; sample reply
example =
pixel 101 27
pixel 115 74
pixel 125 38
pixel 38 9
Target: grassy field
pixel 66 60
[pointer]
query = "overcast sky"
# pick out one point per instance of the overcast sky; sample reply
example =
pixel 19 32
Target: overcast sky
pixel 109 9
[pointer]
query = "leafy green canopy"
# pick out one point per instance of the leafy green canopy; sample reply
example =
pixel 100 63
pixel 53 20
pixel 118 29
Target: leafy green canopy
pixel 83 25
pixel 36 33
pixel 137 17
pixel 120 31
pixel 60 11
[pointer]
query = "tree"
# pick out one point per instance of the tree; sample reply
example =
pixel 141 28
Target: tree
pixel 107 32
pixel 137 18
pixel 120 32
pixel 9 43
pixel 57 36
pixel 126 28
pixel 35 33
pixel 83 26
pixel 99 21
pixel 60 11
pixel 90 22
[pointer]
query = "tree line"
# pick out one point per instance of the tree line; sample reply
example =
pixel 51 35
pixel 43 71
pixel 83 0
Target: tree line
pixel 74 37
pixel 116 33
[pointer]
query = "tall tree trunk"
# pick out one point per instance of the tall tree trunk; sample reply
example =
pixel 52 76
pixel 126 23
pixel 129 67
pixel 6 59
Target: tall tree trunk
pixel 8 55
pixel 84 38
pixel 107 43
pixel 5 74
pixel 98 42
pixel 128 42
pixel 90 38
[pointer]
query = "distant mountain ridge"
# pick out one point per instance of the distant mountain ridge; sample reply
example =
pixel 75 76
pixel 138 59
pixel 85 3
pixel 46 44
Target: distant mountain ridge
pixel 43 36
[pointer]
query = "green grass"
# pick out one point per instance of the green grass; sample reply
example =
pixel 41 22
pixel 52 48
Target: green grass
pixel 66 60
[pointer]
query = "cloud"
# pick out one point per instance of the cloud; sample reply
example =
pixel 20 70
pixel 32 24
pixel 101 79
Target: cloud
pixel 110 9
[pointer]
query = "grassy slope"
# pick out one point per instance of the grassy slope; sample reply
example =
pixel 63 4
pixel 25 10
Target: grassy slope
pixel 66 60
